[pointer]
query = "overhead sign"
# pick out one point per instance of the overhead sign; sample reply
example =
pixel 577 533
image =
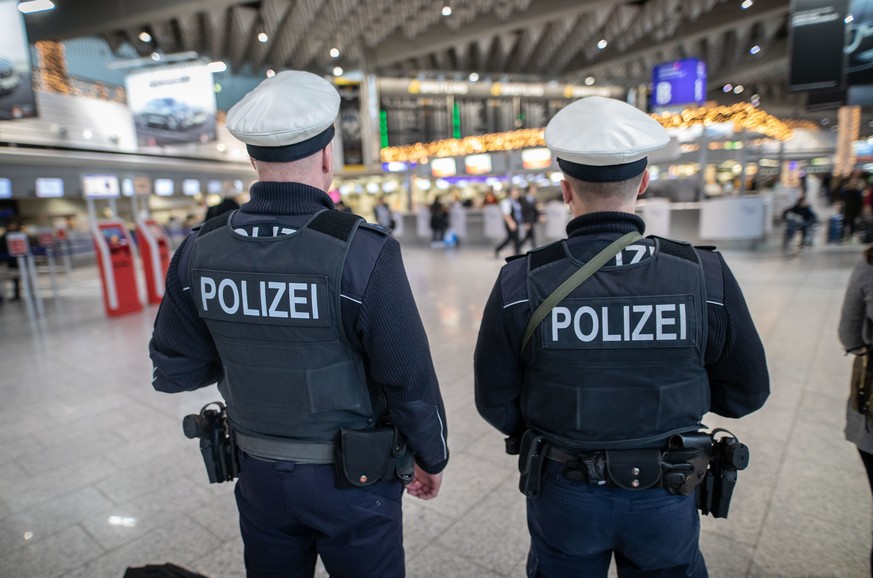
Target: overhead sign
pixel 817 36
pixel 5 188
pixel 679 82
pixel 100 186
pixel 49 188
pixel 443 167
pixel 17 244
pixel 172 105
pixel 16 86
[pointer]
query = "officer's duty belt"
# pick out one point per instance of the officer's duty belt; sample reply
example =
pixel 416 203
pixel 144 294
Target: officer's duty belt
pixel 286 450
pixel 629 469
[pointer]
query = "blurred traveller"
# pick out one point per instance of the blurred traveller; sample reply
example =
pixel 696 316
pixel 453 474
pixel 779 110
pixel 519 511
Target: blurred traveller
pixel 855 333
pixel 304 316
pixel 530 214
pixel 799 218
pixel 512 220
pixel 637 353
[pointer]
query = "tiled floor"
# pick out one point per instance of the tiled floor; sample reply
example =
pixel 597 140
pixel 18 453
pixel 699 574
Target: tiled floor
pixel 96 475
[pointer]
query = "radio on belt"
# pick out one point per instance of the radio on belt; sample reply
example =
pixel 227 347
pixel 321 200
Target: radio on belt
pixel 117 271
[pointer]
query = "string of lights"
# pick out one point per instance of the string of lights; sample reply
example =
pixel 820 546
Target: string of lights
pixel 742 115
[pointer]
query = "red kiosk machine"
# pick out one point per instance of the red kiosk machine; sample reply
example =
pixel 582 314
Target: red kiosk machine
pixel 115 257
pixel 116 253
pixel 154 248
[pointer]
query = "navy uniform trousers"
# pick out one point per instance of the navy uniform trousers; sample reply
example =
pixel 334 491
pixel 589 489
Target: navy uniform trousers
pixel 290 512
pixel 576 527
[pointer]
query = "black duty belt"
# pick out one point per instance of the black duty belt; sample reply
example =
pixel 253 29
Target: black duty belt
pixel 629 469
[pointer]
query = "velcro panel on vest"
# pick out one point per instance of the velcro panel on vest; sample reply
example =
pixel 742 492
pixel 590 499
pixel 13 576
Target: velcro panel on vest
pixel 681 250
pixel 546 255
pixel 338 224
pixel 214 223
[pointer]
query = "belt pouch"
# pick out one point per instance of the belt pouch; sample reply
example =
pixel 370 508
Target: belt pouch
pixel 634 469
pixel 363 456
pixel 531 462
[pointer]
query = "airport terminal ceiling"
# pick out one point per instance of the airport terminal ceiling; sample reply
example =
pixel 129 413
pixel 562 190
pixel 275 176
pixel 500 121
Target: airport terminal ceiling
pixel 743 42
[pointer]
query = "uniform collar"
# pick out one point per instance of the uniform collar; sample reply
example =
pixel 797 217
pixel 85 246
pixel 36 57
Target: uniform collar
pixel 605 222
pixel 272 198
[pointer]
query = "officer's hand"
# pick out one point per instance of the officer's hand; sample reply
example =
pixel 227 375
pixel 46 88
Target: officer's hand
pixel 425 486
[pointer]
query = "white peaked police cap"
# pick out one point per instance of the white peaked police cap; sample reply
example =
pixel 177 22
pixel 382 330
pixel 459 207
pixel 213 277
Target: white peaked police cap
pixel 286 117
pixel 599 139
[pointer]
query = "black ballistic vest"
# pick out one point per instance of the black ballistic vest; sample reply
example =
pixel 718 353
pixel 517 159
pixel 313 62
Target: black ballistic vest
pixel 619 362
pixel 272 305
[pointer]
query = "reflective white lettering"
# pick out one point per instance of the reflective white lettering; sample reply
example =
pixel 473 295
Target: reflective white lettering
pixel 280 291
pixel 263 287
pixel 638 335
pixel 640 250
pixel 682 321
pixel 625 310
pixel 577 324
pixel 294 300
pixel 245 302
pixel 207 291
pixel 225 283
pixel 563 323
pixel 604 324
pixel 314 291
pixel 661 321
pixel 241 231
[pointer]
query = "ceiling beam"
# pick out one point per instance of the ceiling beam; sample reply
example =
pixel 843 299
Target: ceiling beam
pixel 75 18
pixel 720 21
pixel 440 37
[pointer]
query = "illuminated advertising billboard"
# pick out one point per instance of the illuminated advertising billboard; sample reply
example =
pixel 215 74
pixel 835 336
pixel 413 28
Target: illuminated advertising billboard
pixel 16 87
pixel 443 167
pixel 172 105
pixel 540 158
pixel 100 186
pixel 478 164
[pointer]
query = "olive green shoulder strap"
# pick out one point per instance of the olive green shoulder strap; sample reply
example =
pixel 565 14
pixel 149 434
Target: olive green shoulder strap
pixel 576 279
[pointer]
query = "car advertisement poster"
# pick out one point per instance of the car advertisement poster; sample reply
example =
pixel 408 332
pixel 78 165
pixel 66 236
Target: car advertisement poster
pixel 16 86
pixel 172 105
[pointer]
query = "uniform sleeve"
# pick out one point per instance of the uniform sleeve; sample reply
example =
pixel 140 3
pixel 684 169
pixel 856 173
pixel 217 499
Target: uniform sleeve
pixel 182 351
pixel 497 368
pixel 392 336
pixel 854 313
pixel 735 361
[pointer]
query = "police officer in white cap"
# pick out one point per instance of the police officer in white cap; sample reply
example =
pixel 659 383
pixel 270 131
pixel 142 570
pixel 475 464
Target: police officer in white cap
pixel 305 318
pixel 595 373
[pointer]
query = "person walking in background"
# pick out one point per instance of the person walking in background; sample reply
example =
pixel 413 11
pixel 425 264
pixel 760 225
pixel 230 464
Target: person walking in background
pixel 856 335
pixel 439 221
pixel 530 215
pixel 512 220
pixel 382 212
pixel 592 380
pixel 852 196
pixel 327 347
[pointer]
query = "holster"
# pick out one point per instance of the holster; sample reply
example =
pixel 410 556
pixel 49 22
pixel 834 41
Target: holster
pixel 686 461
pixel 364 457
pixel 531 463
